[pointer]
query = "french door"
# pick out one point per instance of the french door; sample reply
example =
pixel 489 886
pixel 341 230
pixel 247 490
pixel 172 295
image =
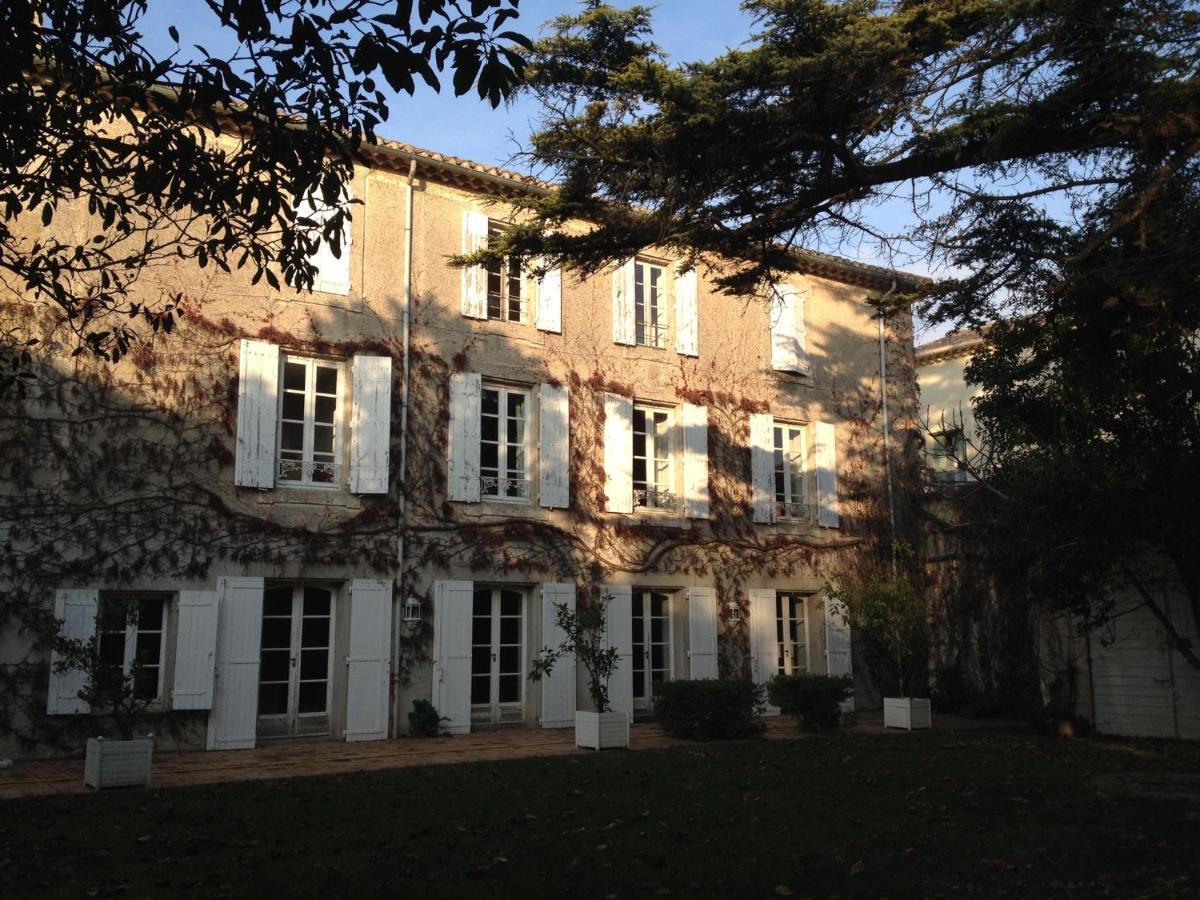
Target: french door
pixel 791 634
pixel 497 656
pixel 651 644
pixel 294 661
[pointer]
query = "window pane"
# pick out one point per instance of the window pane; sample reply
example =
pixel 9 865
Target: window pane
pixel 510 688
pixel 326 380
pixel 150 614
pixel 489 458
pixel 314 664
pixel 272 699
pixel 277 601
pixel 510 659
pixel 481 630
pixel 293 376
pixel 482 604
pixel 639 421
pixel 312 696
pixel 293 406
pixel 481 660
pixel 276 632
pixel 481 688
pixel 323 439
pixel 510 603
pixel 292 437
pixel 112 648
pixel 317 601
pixel 326 410
pixel 274 665
pixel 510 630
pixel 145 683
pixel 314 632
pixel 149 648
pixel 490 402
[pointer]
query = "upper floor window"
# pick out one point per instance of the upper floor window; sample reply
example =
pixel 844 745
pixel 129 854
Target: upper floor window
pixel 649 304
pixel 653 477
pixel 310 439
pixel 946 450
pixel 503 441
pixel 505 301
pixel 130 633
pixel 791 485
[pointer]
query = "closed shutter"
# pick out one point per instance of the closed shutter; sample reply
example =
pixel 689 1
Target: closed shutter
pixel 233 722
pixel 693 423
pixel 195 650
pixel 783 329
pixel 332 265
pixel 473 279
pixel 618 453
pixel 554 479
pixel 462 475
pixel 801 342
pixel 368 662
pixel 558 688
pixel 549 302
pixel 619 631
pixel 258 391
pixel 839 659
pixel 370 424
pixel 825 451
pixel 702 632
pixel 762 467
pixel 764 648
pixel 624 331
pixel 452 653
pixel 77 610
pixel 687 316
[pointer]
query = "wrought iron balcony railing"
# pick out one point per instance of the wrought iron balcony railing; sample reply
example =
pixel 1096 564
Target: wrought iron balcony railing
pixel 504 488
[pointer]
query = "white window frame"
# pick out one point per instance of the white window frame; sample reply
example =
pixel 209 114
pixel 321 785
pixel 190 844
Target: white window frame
pixel 307 464
pixel 785 602
pixel 500 482
pixel 130 633
pixel 507 278
pixel 790 507
pixel 943 458
pixel 646 333
pixel 658 495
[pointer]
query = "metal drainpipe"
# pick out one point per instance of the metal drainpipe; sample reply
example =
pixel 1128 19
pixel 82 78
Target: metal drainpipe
pixel 887 431
pixel 398 603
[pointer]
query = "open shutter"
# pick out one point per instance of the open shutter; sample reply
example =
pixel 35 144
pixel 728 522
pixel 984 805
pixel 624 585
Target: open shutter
pixel 233 722
pixel 687 316
pixel 825 451
pixel 77 609
pixel 618 624
pixel 624 331
pixel 801 342
pixel 332 264
pixel 258 391
pixel 788 332
pixel 839 659
pixel 702 632
pixel 762 467
pixel 549 302
pixel 554 480
pixel 693 423
pixel 764 649
pixel 368 662
pixel 195 650
pixel 452 653
pixel 618 453
pixel 473 279
pixel 370 424
pixel 462 476
pixel 558 688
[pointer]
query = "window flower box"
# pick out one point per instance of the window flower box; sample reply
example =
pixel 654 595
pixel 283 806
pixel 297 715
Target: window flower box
pixel 601 731
pixel 906 712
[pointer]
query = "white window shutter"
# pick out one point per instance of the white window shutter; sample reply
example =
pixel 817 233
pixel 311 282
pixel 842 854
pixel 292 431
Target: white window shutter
pixel 549 302
pixel 693 423
pixel 788 333
pixel 801 342
pixel 462 476
pixel 558 688
pixel 333 269
pixel 618 453
pixel 825 451
pixel 195 649
pixel 687 315
pixel 370 424
pixel 452 653
pixel 838 659
pixel 233 722
pixel 368 661
pixel 258 398
pixel 702 632
pixel 762 467
pixel 473 279
pixel 77 609
pixel 618 624
pixel 624 331
pixel 554 464
pixel 764 648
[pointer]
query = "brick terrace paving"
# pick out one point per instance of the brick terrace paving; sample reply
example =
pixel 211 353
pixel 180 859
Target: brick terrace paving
pixel 304 758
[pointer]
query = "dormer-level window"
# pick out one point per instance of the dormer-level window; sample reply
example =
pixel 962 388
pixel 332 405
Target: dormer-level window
pixel 649 304
pixel 310 443
pixel 505 302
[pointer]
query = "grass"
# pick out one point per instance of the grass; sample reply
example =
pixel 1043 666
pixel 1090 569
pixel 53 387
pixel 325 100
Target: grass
pixel 987 814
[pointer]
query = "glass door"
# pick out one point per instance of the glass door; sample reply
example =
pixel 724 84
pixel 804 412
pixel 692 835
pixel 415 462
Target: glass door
pixel 294 661
pixel 791 634
pixel 497 656
pixel 651 644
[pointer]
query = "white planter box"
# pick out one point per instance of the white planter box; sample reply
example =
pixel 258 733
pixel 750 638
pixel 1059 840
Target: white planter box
pixel 117 763
pixel 602 731
pixel 906 712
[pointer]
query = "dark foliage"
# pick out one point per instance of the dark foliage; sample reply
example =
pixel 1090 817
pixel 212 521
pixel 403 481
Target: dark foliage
pixel 709 709
pixel 813 699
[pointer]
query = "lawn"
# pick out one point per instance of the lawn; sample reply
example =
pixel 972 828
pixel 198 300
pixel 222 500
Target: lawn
pixel 986 814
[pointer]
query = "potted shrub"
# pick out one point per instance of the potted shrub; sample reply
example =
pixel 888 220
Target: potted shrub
pixel 601 727
pixel 125 760
pixel 888 611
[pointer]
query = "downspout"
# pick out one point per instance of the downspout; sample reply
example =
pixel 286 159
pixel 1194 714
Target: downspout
pixel 398 603
pixel 887 430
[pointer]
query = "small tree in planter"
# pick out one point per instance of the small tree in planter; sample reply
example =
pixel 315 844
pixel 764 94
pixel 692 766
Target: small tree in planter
pixel 888 611
pixel 584 637
pixel 120 694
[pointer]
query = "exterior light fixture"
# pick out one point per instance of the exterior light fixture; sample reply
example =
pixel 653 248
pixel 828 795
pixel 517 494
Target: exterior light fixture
pixel 733 611
pixel 412 611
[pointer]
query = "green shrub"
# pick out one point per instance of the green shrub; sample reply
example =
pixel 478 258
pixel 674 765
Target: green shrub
pixel 424 720
pixel 814 699
pixel 710 709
